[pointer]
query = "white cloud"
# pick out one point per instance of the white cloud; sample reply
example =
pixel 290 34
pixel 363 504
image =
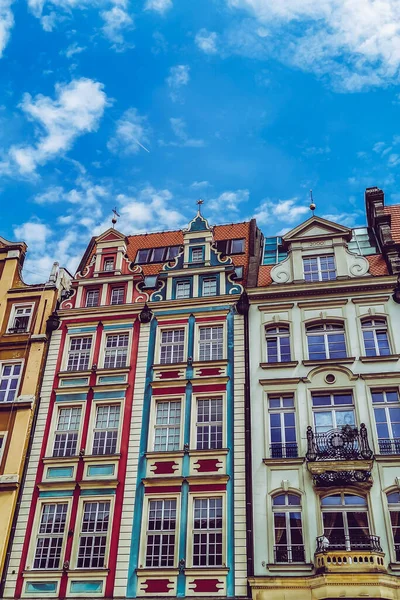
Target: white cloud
pixel 281 210
pixel 316 150
pixel 35 234
pixel 178 77
pixel 74 49
pixel 196 185
pixel 132 133
pixel 354 42
pixel 207 41
pixel 178 127
pixel 6 23
pixel 226 206
pixel 116 20
pixel 160 6
pixel 77 110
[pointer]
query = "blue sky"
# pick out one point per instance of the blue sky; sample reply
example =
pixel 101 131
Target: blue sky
pixel 148 105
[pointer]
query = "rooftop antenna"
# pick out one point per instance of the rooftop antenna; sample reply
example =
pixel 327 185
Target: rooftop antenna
pixel 199 203
pixel 313 206
pixel 115 217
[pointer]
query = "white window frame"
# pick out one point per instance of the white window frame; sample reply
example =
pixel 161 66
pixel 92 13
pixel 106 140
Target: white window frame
pixel 3 436
pixel 161 532
pixel 67 432
pixel 345 509
pixel 36 528
pixel 145 521
pixel 68 350
pixel 191 529
pixel 374 329
pixel 287 509
pixel 87 295
pixel 169 427
pixel 13 316
pixel 6 363
pixel 178 327
pixel 205 284
pixel 333 408
pixel 325 332
pixel 278 335
pixel 79 533
pixel 320 270
pixel 198 254
pixel 281 411
pixel 115 349
pixel 182 289
pixel 117 289
pixel 197 424
pixel 211 342
pixel 109 260
pixel 101 405
pixel 92 422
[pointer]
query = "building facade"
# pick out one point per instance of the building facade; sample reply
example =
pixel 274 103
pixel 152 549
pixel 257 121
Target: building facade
pixel 25 327
pixel 136 478
pixel 324 380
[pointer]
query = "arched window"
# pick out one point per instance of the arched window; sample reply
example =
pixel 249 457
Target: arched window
pixel 288 531
pixel 393 499
pixel 278 343
pixel 346 523
pixel 326 340
pixel 376 339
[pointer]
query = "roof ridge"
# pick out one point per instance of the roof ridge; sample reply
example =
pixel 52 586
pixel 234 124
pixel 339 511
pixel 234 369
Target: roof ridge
pixel 180 230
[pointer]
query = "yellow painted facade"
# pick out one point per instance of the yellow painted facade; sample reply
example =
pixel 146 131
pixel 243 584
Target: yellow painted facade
pixel 24 334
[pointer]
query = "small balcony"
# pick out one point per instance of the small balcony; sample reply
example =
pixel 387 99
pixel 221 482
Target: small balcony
pixel 344 555
pixel 21 329
pixel 389 446
pixel 289 554
pixel 283 450
pixel 345 443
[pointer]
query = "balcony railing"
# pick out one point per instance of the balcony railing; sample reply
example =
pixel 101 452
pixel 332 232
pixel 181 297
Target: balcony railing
pixel 289 554
pixel 283 450
pixel 389 446
pixel 349 543
pixel 22 329
pixel 345 443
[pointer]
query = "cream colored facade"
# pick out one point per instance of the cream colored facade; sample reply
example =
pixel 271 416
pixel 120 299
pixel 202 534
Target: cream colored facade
pixel 24 330
pixel 287 478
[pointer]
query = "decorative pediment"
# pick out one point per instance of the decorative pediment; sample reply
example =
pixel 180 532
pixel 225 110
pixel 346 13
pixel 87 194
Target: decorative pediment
pixel 199 223
pixel 316 228
pixel 111 235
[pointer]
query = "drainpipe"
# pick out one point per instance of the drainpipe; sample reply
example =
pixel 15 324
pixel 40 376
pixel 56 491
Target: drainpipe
pixel 52 324
pixel 242 308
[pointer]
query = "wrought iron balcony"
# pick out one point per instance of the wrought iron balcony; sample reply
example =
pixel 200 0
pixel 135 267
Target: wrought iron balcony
pixel 22 329
pixel 289 554
pixel 345 443
pixel 283 450
pixel 349 543
pixel 389 446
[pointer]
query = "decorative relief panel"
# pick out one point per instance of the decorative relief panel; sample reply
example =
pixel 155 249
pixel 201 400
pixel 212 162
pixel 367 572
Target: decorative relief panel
pixel 198 586
pixel 160 586
pixel 211 463
pixel 164 466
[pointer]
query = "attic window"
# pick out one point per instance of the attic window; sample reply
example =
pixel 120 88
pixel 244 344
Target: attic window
pixel 156 255
pixel 363 242
pixel 231 246
pixel 273 251
pixel 108 264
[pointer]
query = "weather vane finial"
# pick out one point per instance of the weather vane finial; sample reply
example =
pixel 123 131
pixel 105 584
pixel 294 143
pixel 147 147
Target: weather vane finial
pixel 115 216
pixel 199 203
pixel 313 206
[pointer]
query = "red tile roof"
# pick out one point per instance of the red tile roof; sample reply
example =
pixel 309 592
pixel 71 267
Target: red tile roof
pixel 264 275
pixel 394 212
pixel 377 265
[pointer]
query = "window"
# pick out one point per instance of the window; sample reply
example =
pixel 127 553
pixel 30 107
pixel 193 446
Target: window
pixel 387 419
pixel 167 427
pixel 93 537
pixel 116 350
pixel 393 499
pixel 20 319
pixel 288 529
pixel 3 436
pixel 345 521
pixel 50 536
pixel 363 242
pixel 209 424
pixel 117 295
pixel 326 340
pixel 278 343
pixel 231 246
pixel 79 353
pixel 211 342
pixel 209 287
pixel 273 251
pixel 92 297
pixel 375 334
pixel 150 281
pixel 197 255
pixel 160 547
pixel 9 381
pixel 182 289
pixel 172 346
pixel 319 268
pixel 332 411
pixel 207 532
pixel 282 426
pixel 66 435
pixel 108 264
pixel 162 254
pixel 106 429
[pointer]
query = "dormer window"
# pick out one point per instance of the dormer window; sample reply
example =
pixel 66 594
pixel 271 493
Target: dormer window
pixel 197 255
pixel 156 255
pixel 209 287
pixel 183 289
pixel 231 246
pixel 319 268
pixel 20 319
pixel 108 264
pixel 92 298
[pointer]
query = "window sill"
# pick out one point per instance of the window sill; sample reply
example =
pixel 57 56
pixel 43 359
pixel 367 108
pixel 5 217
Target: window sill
pixel 209 451
pixel 170 366
pixel 290 566
pixel 72 374
pixel 329 361
pixel 164 454
pixel 279 365
pixel 390 357
pixel 16 404
pixel 50 460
